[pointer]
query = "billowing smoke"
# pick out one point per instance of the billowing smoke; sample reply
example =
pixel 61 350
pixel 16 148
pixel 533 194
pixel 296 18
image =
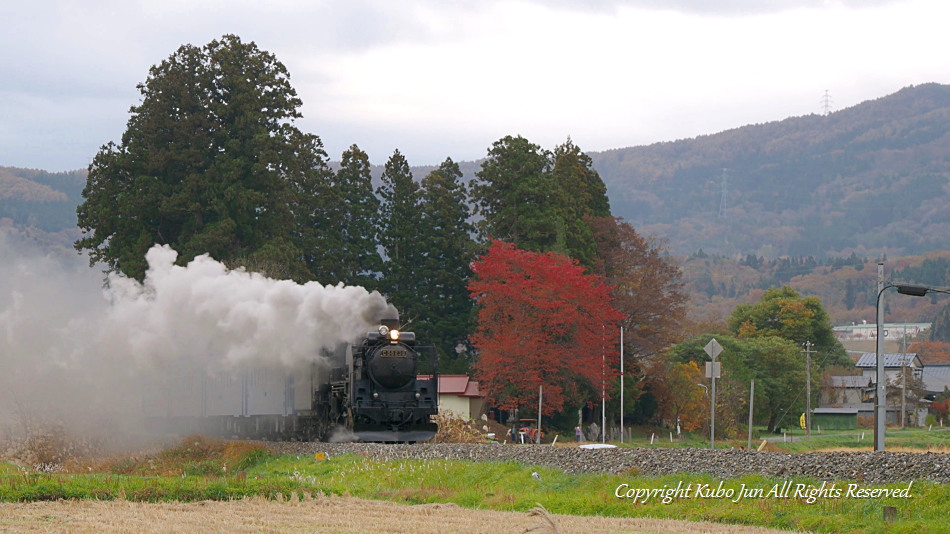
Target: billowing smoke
pixel 204 312
pixel 73 347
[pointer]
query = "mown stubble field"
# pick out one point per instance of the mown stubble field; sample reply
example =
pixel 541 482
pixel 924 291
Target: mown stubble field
pixel 337 515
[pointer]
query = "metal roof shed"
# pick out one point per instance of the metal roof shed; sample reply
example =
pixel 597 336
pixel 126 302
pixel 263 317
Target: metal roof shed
pixel 834 418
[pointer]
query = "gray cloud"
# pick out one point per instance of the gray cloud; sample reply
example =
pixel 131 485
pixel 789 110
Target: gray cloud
pixel 69 70
pixel 712 7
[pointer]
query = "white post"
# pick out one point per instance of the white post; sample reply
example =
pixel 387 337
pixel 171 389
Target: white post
pixel 621 384
pixel 540 395
pixel 751 402
pixel 712 409
pixel 603 389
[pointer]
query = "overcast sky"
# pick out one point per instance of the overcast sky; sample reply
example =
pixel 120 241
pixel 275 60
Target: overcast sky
pixel 448 78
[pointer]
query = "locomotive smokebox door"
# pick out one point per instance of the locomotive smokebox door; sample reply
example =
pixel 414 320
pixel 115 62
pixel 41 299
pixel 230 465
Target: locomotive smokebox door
pixel 393 367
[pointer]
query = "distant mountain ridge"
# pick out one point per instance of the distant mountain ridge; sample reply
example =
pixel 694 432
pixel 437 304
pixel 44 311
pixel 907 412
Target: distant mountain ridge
pixel 870 179
pixel 39 208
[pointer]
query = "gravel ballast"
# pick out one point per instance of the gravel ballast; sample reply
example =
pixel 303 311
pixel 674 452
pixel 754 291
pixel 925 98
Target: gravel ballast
pixel 879 467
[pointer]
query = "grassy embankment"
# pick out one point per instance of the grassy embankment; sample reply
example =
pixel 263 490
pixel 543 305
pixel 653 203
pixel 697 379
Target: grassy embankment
pixel 203 469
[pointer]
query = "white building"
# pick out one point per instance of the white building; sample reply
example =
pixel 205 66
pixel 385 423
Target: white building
pixel 891 331
pixel 459 395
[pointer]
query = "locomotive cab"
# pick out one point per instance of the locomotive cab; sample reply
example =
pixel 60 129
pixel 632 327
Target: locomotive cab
pixel 390 401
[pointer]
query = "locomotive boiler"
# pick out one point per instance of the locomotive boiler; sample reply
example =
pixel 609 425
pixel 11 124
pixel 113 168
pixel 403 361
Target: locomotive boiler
pixel 383 388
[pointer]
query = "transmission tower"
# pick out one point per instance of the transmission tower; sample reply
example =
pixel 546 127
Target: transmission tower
pixel 826 102
pixel 723 204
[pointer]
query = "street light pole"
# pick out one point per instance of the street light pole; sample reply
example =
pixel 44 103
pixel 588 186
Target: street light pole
pixel 880 412
pixel 879 401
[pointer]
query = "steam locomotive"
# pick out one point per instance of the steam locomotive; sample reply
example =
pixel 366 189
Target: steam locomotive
pixel 371 391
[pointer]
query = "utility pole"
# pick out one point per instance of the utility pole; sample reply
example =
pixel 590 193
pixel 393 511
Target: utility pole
pixel 904 377
pixel 808 352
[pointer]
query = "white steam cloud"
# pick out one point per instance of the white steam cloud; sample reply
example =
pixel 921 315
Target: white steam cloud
pixel 69 346
pixel 205 312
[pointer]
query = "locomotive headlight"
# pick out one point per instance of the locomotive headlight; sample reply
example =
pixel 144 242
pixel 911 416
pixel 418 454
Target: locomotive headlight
pixel 418 395
pixel 394 335
pixel 375 394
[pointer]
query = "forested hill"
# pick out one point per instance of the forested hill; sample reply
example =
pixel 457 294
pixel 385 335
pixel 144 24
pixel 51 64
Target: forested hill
pixel 39 207
pixel 869 179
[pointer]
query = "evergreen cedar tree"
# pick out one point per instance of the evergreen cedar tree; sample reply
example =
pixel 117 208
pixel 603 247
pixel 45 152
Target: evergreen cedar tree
pixel 538 199
pixel 357 256
pixel 541 321
pixel 209 163
pixel 397 231
pixel 447 249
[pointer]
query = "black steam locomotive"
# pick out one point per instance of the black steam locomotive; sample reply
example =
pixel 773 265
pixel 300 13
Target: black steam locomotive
pixel 385 397
pixel 372 391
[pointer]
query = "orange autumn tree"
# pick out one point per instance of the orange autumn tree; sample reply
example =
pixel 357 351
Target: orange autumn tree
pixel 678 397
pixel 541 321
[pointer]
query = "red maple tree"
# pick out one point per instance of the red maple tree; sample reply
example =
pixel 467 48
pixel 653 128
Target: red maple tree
pixel 541 321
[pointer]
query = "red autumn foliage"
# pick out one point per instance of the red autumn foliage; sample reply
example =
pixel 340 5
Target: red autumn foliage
pixel 541 321
pixel 940 408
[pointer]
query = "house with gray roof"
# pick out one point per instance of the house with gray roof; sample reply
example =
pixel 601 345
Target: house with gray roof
pixel 936 378
pixel 893 363
pixel 846 391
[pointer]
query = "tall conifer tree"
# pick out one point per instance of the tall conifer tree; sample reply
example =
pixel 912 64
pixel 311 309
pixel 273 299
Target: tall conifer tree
pixel 579 193
pixel 447 248
pixel 204 165
pixel 398 232
pixel 538 199
pixel 358 255
pixel 315 205
pixel 513 194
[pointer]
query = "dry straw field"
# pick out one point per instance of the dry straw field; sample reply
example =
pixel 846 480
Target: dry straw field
pixel 323 515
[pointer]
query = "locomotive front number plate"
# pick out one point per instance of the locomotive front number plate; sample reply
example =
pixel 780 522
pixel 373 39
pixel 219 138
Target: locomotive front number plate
pixel 392 353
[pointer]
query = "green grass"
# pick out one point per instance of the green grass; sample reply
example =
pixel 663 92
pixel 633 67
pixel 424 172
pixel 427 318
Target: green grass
pixel 922 440
pixel 499 486
pixel 510 486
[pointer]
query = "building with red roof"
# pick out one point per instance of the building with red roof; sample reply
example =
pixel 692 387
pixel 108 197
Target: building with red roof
pixel 459 394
